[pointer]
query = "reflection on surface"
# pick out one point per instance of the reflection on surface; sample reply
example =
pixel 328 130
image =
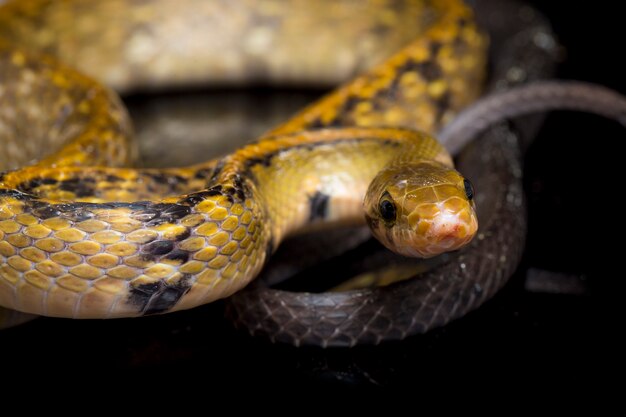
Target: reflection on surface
pixel 179 129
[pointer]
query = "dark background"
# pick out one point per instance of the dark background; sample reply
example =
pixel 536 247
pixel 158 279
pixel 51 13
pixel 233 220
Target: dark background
pixel 570 346
pixel 560 345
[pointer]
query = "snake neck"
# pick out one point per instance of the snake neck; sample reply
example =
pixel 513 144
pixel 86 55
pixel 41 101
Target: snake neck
pixel 318 179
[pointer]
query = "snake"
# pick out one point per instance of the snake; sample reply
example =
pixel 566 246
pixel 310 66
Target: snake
pixel 82 236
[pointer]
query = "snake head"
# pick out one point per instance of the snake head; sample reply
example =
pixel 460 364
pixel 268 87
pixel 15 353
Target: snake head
pixel 421 209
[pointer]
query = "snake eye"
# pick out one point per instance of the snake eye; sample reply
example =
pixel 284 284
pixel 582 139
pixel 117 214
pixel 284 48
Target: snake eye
pixel 469 189
pixel 387 208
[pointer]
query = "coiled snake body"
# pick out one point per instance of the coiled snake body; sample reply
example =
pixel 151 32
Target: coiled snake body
pixel 116 242
pixel 97 243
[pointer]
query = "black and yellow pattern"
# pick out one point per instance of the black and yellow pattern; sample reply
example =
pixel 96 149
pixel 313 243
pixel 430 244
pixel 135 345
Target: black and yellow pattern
pixel 115 242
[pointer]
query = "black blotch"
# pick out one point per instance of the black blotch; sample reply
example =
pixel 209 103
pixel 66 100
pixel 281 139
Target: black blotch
pixel 237 181
pixel 81 187
pixel 351 103
pixel 43 210
pixel 265 160
pixel 337 121
pixel 151 214
pixel 144 215
pixel 154 214
pixel 192 199
pixel 157 177
pixel 113 178
pixel 74 212
pixel 135 205
pixel 217 170
pixel 178 255
pixel 229 193
pixel 184 235
pixel 46 213
pixel 241 189
pixel 172 212
pixel 197 197
pixel 18 195
pixel 348 107
pixel 240 194
pixel 158 247
pixel 429 69
pixel 166 179
pixel 215 190
pixel 318 206
pixel 442 104
pixel 36 182
pixel 160 296
pixel 203 173
pixel 316 124
pixel 434 49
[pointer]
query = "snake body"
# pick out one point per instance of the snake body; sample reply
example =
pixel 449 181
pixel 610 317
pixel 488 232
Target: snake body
pixel 111 242
pixel 117 242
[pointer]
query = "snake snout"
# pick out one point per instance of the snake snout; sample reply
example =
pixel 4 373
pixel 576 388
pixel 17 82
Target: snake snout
pixel 443 226
pixel 450 229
